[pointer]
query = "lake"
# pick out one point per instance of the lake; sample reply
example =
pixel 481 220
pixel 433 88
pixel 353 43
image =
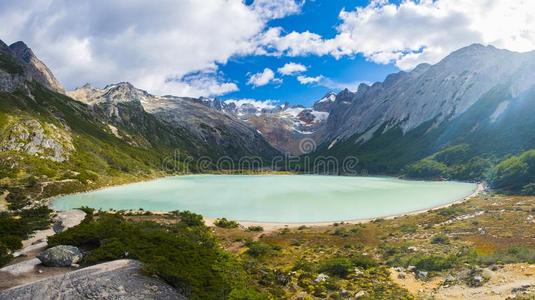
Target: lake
pixel 275 198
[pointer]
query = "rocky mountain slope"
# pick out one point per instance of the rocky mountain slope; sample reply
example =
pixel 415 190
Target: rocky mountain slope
pixel 18 57
pixel 46 135
pixel 286 126
pixel 211 132
pixel 479 95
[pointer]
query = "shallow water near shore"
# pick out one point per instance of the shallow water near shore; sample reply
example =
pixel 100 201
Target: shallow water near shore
pixel 275 198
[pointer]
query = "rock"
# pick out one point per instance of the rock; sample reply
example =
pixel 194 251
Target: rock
pixel 358 272
pixel 422 275
pixel 449 279
pixel 45 140
pixel 282 278
pixel 120 279
pixel 360 294
pixel 58 226
pixel 321 277
pixel 402 275
pixel 521 289
pixel 22 267
pixel 60 256
pixel 411 268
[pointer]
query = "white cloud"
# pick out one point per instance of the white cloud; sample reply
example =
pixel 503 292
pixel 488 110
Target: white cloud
pixel 106 41
pixel 292 69
pixel 414 31
pixel 276 9
pixel 309 80
pixel 262 78
pixel 206 83
pixel 260 104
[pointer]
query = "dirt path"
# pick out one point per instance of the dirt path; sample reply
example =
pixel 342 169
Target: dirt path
pixel 500 285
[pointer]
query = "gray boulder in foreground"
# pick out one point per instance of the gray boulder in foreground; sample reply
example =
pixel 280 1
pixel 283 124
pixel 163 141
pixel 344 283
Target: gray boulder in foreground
pixel 60 256
pixel 120 279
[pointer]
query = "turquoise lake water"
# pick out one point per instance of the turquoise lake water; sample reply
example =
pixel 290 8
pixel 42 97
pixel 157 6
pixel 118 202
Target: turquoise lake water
pixel 275 198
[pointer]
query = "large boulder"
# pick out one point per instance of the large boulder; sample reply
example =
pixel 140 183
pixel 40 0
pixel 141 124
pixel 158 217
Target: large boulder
pixel 60 256
pixel 119 280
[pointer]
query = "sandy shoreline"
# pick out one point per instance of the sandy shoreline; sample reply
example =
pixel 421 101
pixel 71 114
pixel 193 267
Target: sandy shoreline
pixel 271 226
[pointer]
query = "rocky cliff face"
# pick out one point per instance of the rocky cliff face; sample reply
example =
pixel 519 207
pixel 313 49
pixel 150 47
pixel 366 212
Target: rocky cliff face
pixel 440 92
pixel 35 68
pixel 472 96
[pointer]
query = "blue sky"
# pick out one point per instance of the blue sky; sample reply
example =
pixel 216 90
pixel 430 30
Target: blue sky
pixel 320 17
pixel 233 49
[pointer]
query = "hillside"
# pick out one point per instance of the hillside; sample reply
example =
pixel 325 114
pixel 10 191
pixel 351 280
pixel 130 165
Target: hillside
pixel 67 145
pixel 478 98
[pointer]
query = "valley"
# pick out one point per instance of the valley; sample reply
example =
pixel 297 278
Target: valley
pixel 466 118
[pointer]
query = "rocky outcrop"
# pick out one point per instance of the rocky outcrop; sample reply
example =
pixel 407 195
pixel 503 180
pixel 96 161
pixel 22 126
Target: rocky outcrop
pixel 121 279
pixel 30 136
pixel 35 68
pixel 326 103
pixel 60 256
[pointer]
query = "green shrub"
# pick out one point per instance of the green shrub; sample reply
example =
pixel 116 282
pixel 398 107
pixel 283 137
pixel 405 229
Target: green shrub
pixel 511 174
pixel 363 261
pixel 514 254
pixel 257 249
pixel 427 169
pixel 407 228
pixel 189 218
pixel 189 258
pixel 433 262
pixel 453 154
pixel 528 189
pixel 440 239
pixel 339 267
pixel 224 223
pixel 255 228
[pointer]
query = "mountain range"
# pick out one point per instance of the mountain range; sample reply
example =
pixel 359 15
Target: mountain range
pixel 474 107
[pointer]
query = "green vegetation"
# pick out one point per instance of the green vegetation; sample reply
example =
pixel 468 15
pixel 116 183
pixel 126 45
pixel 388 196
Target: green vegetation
pixel 440 239
pixel 185 255
pixel 255 228
pixel 516 174
pixel 343 266
pixel 224 223
pixel 17 226
pixel 189 218
pixel 513 254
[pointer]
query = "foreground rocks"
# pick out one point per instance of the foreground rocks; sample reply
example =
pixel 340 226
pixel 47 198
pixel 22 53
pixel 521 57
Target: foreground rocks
pixel 120 279
pixel 60 256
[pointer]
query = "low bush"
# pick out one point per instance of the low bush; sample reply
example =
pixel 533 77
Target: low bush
pixel 258 249
pixel 224 223
pixel 255 228
pixel 433 262
pixel 440 239
pixel 339 267
pixel 514 254
pixel 187 257
pixel 189 218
